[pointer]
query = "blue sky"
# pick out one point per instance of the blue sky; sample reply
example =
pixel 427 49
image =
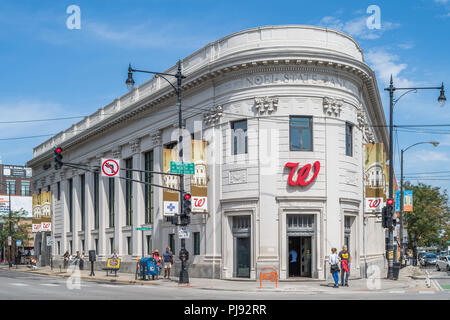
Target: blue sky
pixel 49 71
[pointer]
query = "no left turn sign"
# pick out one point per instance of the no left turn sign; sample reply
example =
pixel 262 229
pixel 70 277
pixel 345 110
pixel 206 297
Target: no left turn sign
pixel 110 167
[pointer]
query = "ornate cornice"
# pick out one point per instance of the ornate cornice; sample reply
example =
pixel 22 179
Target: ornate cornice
pixel 135 145
pixel 213 115
pixel 156 137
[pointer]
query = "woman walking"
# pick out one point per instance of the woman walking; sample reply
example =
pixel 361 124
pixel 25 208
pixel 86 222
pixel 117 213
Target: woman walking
pixel 334 266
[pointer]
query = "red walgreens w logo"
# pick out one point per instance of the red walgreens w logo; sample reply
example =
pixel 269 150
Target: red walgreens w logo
pixel 302 173
pixel 373 203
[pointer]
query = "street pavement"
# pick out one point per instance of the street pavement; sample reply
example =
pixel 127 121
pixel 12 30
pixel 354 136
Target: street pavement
pixel 20 285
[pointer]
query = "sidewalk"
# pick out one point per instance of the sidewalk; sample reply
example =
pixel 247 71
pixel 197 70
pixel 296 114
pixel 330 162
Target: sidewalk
pixel 405 282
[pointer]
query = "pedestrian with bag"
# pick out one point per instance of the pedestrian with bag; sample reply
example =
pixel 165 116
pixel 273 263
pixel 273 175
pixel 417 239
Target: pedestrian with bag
pixel 345 259
pixel 334 266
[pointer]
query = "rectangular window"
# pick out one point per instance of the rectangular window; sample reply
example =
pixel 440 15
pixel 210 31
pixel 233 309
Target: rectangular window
pixel 149 245
pixel 111 201
pixel 196 243
pixel 10 187
pixel 300 130
pixel 239 136
pixel 83 200
pixel 96 246
pixel 70 204
pixel 111 245
pixel 172 242
pixel 25 186
pixel 149 189
pixel 348 139
pixel 58 190
pixel 70 246
pixel 82 245
pixel 96 200
pixel 129 192
pixel 129 248
pixel 59 247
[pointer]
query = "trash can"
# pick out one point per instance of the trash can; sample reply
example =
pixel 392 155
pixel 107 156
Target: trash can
pixel 396 270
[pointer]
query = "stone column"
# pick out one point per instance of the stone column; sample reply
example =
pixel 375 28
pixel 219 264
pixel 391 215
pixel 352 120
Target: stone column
pixel 102 211
pixel 119 203
pixel 138 199
pixel 157 194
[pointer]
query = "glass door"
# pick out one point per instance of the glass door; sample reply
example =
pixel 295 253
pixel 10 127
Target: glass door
pixel 306 257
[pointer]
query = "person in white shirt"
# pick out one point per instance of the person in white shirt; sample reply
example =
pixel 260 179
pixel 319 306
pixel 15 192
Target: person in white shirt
pixel 334 266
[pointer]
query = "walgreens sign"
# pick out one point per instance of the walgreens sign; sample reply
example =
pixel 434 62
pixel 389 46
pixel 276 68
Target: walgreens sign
pixel 301 179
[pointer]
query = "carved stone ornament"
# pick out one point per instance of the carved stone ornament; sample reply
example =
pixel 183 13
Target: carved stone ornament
pixel 363 125
pixel 213 116
pixel 156 138
pixel 117 153
pixel 266 104
pixel 135 146
pixel 332 106
pixel 238 176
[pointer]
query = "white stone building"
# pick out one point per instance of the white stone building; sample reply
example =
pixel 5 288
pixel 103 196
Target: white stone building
pixel 263 98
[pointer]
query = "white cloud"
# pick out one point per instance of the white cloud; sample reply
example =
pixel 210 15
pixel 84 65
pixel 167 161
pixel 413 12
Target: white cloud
pixel 357 27
pixel 386 64
pixel 441 1
pixel 429 156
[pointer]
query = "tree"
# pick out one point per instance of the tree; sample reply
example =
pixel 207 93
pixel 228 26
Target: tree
pixel 430 216
pixel 22 231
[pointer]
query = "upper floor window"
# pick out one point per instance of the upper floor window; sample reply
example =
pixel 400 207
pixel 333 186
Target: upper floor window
pixel 300 133
pixel 239 136
pixel 25 188
pixel 10 187
pixel 348 139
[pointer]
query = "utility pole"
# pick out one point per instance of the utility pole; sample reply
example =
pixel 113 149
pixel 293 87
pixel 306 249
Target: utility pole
pixel 390 243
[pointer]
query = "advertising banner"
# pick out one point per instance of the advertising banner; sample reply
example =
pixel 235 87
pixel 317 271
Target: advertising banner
pixel 170 197
pixel 199 181
pixel 18 203
pixel 36 217
pixel 46 214
pixel 408 201
pixel 376 177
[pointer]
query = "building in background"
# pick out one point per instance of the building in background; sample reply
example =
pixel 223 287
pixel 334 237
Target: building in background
pixel 15 180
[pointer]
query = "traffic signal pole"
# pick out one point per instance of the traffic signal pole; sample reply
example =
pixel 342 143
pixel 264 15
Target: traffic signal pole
pixel 390 243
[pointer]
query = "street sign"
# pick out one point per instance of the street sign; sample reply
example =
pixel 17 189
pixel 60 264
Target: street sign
pixel 182 167
pixel 18 243
pixel 144 229
pixel 374 204
pixel 110 167
pixel 184 232
pixel 9 241
pixel 170 208
pixel 50 241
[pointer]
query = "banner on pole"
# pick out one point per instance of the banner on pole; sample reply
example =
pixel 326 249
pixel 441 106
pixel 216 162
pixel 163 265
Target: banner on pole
pixel 170 197
pixel 199 181
pixel 376 177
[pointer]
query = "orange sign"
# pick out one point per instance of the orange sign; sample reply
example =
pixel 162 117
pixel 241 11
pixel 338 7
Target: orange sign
pixel 270 276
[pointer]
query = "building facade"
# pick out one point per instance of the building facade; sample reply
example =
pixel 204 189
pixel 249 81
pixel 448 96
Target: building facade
pixel 285 112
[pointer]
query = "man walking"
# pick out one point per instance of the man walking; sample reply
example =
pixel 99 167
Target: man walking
pixel 168 260
pixel 345 258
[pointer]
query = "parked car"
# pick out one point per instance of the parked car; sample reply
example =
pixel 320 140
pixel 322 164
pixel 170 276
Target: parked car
pixel 443 263
pixel 428 259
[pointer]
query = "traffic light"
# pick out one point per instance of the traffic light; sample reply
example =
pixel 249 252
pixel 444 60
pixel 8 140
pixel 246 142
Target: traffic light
pixel 57 157
pixel 186 201
pixel 388 214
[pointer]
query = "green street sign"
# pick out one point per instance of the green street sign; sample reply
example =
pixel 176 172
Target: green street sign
pixel 182 167
pixel 144 229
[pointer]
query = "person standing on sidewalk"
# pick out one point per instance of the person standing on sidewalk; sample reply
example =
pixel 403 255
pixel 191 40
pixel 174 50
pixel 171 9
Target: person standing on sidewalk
pixel 345 258
pixel 82 259
pixel 168 260
pixel 334 266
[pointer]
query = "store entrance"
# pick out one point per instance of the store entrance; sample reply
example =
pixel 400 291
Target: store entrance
pixel 300 255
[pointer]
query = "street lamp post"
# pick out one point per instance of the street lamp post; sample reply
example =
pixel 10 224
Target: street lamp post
pixel 392 102
pixel 434 143
pixel 184 276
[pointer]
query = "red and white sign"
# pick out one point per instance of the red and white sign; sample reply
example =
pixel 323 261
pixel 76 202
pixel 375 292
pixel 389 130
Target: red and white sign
pixel 36 227
pixel 374 204
pixel 110 167
pixel 199 204
pixel 9 241
pixel 46 226
pixel 302 173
